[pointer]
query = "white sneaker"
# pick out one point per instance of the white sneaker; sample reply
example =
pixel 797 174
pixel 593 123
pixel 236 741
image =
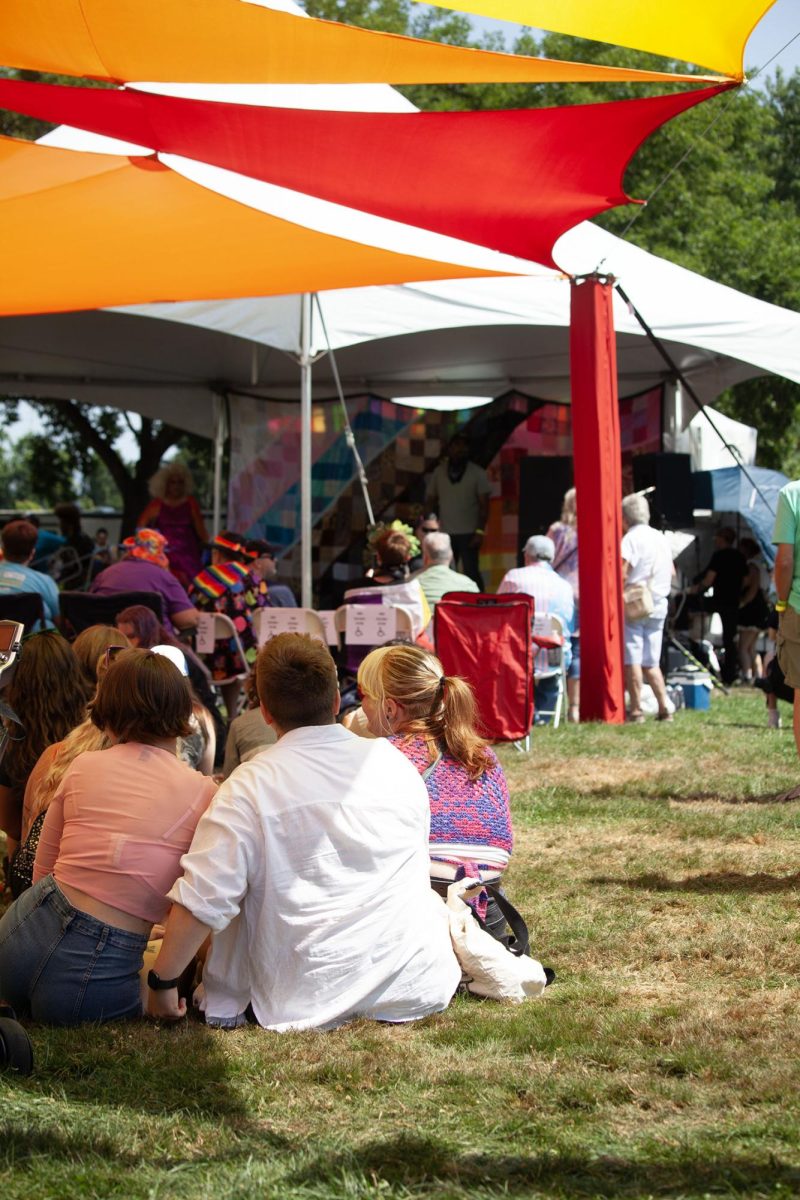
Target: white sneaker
pixel 774 719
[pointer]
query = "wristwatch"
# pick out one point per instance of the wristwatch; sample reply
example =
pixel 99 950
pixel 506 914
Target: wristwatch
pixel 157 984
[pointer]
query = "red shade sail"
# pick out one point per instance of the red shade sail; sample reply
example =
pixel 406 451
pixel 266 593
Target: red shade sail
pixel 512 180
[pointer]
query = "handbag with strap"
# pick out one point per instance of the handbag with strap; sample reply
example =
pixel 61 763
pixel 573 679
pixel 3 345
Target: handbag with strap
pixel 638 601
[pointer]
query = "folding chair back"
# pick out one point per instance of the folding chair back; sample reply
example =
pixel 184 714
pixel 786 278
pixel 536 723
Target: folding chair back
pixel 487 641
pixel 82 609
pixel 25 607
pixel 549 660
pixel 222 628
pixel 356 652
pixel 269 621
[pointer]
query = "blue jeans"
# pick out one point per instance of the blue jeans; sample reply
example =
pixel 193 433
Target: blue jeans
pixel 63 967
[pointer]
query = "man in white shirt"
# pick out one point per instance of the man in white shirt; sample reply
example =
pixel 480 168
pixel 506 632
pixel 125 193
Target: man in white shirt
pixel 311 870
pixel 552 595
pixel 459 491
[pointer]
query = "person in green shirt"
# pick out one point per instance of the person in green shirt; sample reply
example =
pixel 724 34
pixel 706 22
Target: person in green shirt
pixel 786 536
pixel 437 576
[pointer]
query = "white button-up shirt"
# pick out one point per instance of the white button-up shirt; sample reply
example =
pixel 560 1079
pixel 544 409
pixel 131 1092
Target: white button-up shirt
pixel 311 867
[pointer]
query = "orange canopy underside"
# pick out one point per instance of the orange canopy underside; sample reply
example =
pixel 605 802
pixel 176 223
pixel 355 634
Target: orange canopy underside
pixel 91 230
pixel 229 41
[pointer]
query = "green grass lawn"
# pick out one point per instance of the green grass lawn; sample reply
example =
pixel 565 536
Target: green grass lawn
pixel 662 887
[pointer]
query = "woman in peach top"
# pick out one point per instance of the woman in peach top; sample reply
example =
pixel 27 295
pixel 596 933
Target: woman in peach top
pixel 71 947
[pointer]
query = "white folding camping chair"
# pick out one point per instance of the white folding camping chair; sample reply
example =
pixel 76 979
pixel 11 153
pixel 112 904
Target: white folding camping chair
pixel 548 662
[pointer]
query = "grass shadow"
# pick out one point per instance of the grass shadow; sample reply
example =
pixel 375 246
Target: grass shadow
pixel 21 1145
pixel 157 1070
pixel 785 797
pixel 417 1163
pixel 711 881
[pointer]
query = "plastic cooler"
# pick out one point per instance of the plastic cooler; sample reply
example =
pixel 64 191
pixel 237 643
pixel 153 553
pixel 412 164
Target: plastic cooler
pixel 696 688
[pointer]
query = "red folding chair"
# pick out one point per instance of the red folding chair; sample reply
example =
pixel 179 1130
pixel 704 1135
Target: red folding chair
pixel 487 640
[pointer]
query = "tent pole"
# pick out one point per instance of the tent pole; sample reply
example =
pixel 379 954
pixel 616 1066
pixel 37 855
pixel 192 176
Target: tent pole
pixel 305 450
pixel 219 451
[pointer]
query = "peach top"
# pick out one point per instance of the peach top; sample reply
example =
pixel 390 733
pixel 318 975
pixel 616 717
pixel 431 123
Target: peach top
pixel 119 824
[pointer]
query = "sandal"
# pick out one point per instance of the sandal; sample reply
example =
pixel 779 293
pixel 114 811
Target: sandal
pixel 635 718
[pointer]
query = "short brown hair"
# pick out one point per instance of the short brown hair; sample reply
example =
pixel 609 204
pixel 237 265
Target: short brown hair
pixel 143 698
pixel 297 681
pixel 19 539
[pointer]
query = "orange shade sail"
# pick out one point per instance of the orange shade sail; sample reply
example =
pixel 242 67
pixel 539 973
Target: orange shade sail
pixel 513 180
pixel 229 41
pixel 94 230
pixel 711 33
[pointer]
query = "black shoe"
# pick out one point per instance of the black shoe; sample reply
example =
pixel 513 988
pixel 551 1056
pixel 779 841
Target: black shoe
pixel 549 976
pixel 16 1052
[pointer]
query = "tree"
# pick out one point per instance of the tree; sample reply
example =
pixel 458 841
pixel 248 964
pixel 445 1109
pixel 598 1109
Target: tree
pixel 79 439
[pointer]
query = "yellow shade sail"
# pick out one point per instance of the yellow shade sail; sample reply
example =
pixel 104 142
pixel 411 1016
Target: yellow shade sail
pixel 230 41
pixel 711 33
pixel 94 230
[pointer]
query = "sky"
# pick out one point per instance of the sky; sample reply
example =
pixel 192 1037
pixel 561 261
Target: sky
pixel 779 26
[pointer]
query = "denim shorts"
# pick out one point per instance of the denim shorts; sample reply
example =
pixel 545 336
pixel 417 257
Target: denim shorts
pixel 61 966
pixel 643 638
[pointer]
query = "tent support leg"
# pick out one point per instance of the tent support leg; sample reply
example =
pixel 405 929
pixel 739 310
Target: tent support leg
pixel 598 482
pixel 220 433
pixel 305 450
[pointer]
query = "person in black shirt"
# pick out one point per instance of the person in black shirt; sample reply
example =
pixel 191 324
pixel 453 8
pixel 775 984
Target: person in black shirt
pixel 726 573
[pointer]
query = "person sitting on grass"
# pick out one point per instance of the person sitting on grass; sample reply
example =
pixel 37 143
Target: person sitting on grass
pixel 142 628
pixel 49 695
pixel 310 869
pixel 45 778
pixel 430 717
pixel 71 947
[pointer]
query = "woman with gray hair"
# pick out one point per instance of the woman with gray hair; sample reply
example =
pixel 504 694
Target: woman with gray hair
pixel 646 559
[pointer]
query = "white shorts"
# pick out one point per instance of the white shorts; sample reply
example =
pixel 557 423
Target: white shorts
pixel 643 640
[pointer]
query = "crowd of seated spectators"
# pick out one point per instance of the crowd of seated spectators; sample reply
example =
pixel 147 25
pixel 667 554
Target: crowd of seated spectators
pixel 299 882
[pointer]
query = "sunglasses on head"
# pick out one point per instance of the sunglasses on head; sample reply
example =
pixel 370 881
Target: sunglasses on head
pixel 112 652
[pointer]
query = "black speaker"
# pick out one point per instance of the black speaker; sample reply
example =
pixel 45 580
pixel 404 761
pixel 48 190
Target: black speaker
pixel 542 484
pixel 670 475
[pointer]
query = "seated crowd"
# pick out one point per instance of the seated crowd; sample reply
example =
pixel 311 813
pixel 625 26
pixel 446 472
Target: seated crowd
pixel 294 887
pixel 302 884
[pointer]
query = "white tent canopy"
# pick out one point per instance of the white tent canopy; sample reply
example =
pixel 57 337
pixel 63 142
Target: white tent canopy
pixel 473 337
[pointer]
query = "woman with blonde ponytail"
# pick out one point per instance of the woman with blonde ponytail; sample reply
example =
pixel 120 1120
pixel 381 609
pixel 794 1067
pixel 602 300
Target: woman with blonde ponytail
pixel 430 717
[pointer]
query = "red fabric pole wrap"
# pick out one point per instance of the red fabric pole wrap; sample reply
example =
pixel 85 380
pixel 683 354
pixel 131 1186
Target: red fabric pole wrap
pixel 598 483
